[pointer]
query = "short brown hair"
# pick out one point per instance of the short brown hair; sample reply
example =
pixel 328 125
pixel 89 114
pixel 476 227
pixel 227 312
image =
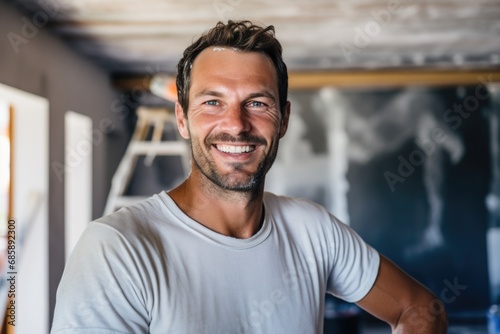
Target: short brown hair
pixel 243 35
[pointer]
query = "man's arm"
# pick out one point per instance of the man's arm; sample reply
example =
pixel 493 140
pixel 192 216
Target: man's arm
pixel 402 302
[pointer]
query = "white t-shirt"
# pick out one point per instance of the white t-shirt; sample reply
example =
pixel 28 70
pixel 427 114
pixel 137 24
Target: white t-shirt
pixel 149 268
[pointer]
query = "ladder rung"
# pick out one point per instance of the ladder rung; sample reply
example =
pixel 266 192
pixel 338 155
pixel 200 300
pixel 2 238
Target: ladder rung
pixel 159 148
pixel 147 117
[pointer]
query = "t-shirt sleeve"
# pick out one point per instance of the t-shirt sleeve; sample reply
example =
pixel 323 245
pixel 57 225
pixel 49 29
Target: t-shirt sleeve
pixel 101 290
pixel 355 264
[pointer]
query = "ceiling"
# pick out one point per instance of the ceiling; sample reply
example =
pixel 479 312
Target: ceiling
pixel 130 37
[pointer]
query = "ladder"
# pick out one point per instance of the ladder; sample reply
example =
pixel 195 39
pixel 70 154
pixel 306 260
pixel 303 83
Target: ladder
pixel 147 117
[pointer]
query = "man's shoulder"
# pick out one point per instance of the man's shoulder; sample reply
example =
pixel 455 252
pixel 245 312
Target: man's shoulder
pixel 134 219
pixel 297 213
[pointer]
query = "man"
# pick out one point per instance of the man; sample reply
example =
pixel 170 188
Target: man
pixel 217 254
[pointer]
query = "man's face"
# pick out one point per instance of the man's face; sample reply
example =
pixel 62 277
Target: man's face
pixel 233 120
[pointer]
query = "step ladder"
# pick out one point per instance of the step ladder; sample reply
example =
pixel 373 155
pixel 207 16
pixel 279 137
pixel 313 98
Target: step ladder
pixel 147 118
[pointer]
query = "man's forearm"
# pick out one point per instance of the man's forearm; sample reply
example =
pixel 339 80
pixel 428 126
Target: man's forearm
pixel 430 318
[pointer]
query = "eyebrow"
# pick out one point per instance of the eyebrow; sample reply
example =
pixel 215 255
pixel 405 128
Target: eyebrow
pixel 262 94
pixel 209 92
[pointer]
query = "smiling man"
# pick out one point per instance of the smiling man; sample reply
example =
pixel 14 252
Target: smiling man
pixel 217 254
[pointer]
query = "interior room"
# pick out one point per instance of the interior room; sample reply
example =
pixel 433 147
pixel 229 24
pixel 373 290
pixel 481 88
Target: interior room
pixel 394 128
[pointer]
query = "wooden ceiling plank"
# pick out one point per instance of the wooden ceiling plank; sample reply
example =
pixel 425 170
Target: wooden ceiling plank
pixel 360 79
pixel 346 79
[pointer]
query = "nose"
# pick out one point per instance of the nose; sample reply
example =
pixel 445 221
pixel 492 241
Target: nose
pixel 235 120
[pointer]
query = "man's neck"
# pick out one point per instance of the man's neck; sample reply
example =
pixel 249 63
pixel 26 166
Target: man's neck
pixel 231 213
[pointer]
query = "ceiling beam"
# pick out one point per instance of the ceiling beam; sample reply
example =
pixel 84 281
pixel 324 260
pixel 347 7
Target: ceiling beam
pixel 358 79
pixel 132 83
pixel 391 78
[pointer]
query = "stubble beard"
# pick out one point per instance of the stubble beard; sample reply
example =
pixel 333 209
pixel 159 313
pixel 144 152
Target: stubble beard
pixel 252 184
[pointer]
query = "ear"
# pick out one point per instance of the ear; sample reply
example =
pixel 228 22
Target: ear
pixel 181 121
pixel 285 119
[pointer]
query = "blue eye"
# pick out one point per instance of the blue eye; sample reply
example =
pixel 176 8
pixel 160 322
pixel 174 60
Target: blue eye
pixel 212 103
pixel 256 104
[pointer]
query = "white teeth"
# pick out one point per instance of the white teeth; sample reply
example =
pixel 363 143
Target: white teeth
pixel 234 149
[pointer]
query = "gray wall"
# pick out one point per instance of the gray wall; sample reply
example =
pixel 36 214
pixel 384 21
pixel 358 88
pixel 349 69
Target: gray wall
pixel 44 66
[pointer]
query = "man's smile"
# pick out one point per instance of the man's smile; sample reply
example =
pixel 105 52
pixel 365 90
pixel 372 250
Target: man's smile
pixel 236 149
